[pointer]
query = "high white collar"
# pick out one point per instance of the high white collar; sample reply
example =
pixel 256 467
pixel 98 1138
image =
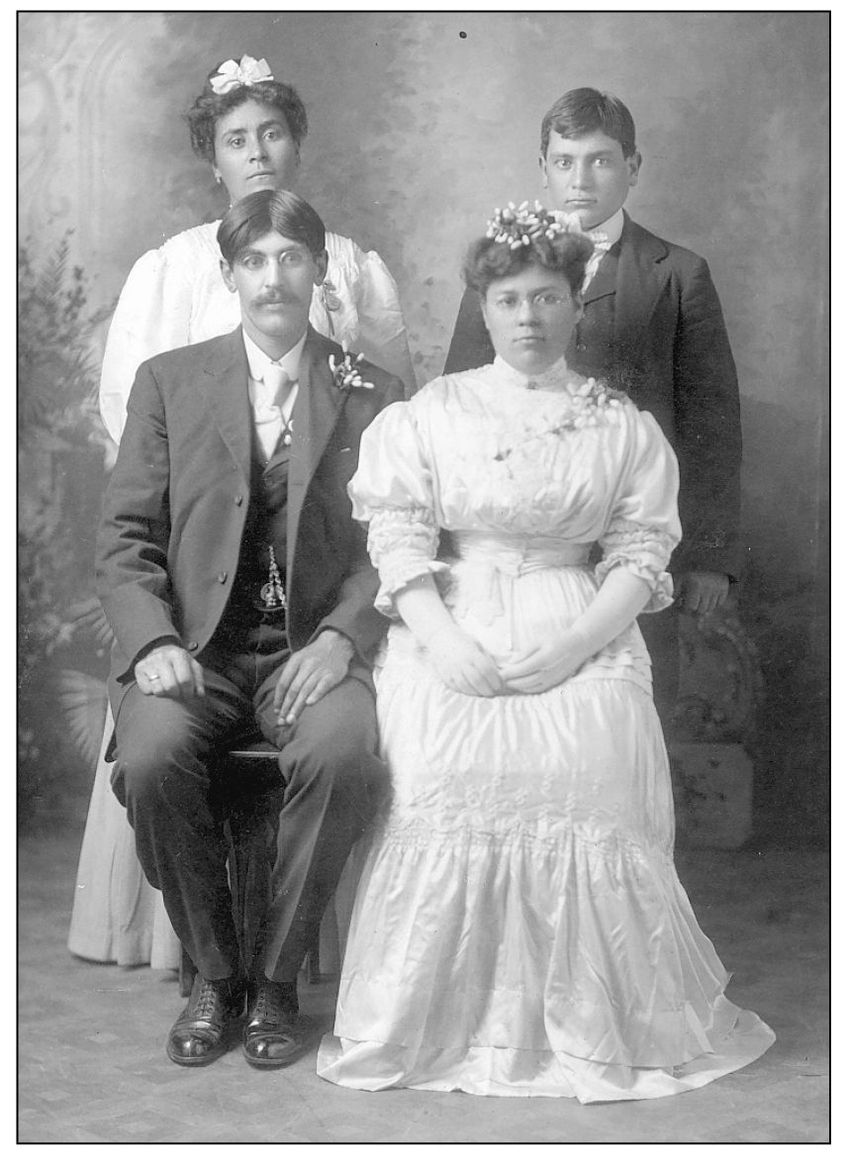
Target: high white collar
pixel 557 376
pixel 611 229
pixel 259 361
pixel 608 232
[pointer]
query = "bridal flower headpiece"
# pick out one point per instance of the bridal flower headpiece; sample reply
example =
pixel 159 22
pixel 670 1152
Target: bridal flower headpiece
pixel 232 73
pixel 519 226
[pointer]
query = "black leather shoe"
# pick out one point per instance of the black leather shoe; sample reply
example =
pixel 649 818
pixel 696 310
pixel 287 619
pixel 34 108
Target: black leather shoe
pixel 199 1036
pixel 275 1034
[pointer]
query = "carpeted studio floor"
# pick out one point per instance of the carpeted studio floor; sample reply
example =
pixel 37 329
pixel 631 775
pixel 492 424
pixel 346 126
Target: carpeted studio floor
pixel 93 1069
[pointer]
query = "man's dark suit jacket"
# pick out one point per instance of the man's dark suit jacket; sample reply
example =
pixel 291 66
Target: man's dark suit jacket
pixel 671 354
pixel 175 508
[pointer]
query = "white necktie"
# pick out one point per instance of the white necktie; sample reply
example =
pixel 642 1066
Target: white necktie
pixel 268 412
pixel 601 244
pixel 600 240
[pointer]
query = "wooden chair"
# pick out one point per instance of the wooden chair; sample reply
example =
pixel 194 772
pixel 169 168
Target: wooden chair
pixel 251 827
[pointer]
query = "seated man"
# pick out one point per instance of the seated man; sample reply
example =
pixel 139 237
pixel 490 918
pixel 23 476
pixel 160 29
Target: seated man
pixel 653 327
pixel 240 592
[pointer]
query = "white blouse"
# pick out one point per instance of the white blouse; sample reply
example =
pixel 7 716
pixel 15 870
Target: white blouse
pixel 175 295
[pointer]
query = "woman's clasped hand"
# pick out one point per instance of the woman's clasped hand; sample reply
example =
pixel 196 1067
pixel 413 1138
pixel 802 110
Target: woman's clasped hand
pixel 544 665
pixel 463 665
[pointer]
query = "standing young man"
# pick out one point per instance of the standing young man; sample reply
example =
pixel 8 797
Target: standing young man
pixel 653 327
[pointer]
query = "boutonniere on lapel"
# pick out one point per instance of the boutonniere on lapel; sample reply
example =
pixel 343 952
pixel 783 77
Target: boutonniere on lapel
pixel 346 374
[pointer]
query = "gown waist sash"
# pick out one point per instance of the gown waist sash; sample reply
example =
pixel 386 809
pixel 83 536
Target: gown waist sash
pixel 487 565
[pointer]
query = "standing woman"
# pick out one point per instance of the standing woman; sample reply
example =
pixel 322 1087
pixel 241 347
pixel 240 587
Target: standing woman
pixel 250 128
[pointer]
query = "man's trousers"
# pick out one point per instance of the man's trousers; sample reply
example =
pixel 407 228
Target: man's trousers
pixel 330 784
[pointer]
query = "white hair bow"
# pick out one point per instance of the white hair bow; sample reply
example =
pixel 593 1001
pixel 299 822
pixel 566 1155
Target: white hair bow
pixel 247 71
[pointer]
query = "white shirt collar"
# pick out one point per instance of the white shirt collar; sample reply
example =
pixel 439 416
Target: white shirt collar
pixel 608 232
pixel 612 228
pixel 258 360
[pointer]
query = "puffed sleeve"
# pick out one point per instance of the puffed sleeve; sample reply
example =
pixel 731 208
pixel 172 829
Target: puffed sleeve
pixel 153 314
pixel 393 491
pixel 643 527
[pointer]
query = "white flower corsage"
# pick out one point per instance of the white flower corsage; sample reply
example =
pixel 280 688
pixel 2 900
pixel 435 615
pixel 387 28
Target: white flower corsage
pixel 247 71
pixel 345 373
pixel 592 404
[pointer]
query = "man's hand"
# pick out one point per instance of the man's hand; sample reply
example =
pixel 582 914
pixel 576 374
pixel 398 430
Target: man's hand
pixel 544 666
pixel 169 672
pixel 702 592
pixel 462 664
pixel 311 673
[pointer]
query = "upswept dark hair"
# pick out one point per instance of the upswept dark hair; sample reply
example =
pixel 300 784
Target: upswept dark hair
pixel 266 211
pixel 209 106
pixel 584 111
pixel 566 254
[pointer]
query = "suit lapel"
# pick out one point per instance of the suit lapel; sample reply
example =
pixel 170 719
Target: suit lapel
pixel 640 279
pixel 228 398
pixel 316 412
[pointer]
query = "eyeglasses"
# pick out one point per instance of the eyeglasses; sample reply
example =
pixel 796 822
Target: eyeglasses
pixel 510 302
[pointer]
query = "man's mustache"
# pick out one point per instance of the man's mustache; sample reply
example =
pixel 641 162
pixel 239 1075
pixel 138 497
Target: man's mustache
pixel 277 299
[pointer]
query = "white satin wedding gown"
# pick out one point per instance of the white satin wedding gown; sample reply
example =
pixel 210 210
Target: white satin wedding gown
pixel 519 927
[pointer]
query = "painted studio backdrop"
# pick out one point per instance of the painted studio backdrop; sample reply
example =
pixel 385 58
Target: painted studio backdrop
pixel 419 124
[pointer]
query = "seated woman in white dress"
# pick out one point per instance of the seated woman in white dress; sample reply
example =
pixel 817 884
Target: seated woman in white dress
pixel 519 927
pixel 250 128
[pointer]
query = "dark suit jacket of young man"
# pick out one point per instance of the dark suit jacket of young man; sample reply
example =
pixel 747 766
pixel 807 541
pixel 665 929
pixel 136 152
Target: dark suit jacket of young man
pixel 174 514
pixel 671 354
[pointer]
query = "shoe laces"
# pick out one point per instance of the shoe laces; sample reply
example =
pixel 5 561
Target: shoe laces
pixel 208 998
pixel 268 999
pixel 272 998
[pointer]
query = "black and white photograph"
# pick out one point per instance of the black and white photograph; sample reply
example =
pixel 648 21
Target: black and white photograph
pixel 423 565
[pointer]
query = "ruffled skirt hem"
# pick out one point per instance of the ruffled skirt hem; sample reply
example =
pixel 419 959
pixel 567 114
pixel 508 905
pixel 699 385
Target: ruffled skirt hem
pixel 739 1037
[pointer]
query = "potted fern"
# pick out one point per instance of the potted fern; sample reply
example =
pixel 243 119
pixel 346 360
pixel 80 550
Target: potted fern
pixel 63 456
